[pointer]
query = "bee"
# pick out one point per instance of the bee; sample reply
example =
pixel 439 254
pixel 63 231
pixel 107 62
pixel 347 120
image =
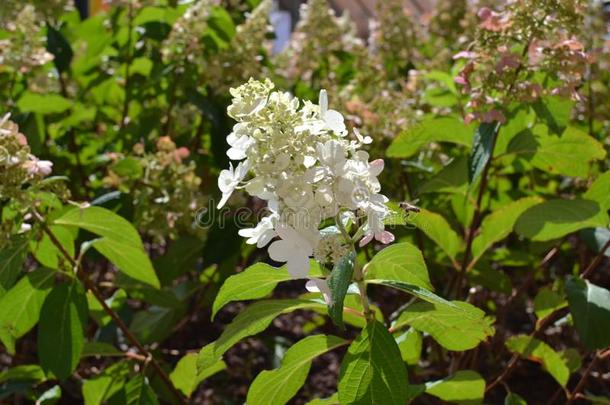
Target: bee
pixel 408 207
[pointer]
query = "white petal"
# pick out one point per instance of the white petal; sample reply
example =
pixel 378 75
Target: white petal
pixel 376 167
pixel 317 285
pixel 280 251
pixel 246 232
pixel 265 238
pixel 323 102
pixel 335 121
pixel 236 154
pixel 224 199
pixel 309 161
pixel 226 181
pixel 298 266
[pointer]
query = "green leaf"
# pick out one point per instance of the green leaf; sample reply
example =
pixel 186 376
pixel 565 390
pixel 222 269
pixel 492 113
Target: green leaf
pixel 463 387
pixel 599 191
pixel 121 243
pixel 104 385
pixel 400 262
pixel 157 14
pixel 514 399
pixel 410 345
pixel 556 218
pixel 280 385
pixel 47 253
pixel 257 281
pixel 498 225
pixel 20 306
pixel 251 321
pixel 446 129
pixel 484 141
pixel 138 392
pixel 12 258
pixel 555 110
pixel 59 46
pixel 185 376
pixel 520 120
pixel 60 331
pixel 26 372
pixel 141 66
pixel 372 371
pixel 596 239
pixel 338 283
pixel 590 308
pixel 458 327
pixel 129 167
pixel 546 302
pixel 536 350
pixel 43 103
pixel 332 400
pixel 222 23
pixel 453 178
pixel 131 260
pixel 571 357
pixel 97 312
pixel 436 227
pixel 569 154
pixel 102 222
pixel 101 349
pixel 155 324
pixel 414 290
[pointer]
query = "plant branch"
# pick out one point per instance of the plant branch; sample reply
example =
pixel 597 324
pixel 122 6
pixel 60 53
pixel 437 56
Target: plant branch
pixel 476 218
pixel 593 265
pixel 599 355
pixel 546 322
pixel 89 285
pixel 358 273
pixel 514 360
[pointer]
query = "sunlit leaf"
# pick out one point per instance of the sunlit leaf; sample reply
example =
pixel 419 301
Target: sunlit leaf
pixel 436 227
pixel 400 262
pixel 20 306
pixel 536 350
pixel 458 327
pixel 556 218
pixel 372 371
pixel 250 321
pixel 463 387
pixel 444 129
pixel 280 385
pixel 499 224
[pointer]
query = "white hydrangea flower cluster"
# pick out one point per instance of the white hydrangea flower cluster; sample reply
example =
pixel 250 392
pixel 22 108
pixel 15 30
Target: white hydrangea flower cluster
pixel 304 165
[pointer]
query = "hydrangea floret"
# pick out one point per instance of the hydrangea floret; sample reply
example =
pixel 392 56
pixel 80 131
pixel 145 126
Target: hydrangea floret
pixel 300 159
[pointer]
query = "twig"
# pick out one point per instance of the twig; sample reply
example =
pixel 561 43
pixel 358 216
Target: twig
pixel 512 363
pixel 476 218
pixel 91 287
pixel 545 323
pixel 599 355
pixel 596 261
